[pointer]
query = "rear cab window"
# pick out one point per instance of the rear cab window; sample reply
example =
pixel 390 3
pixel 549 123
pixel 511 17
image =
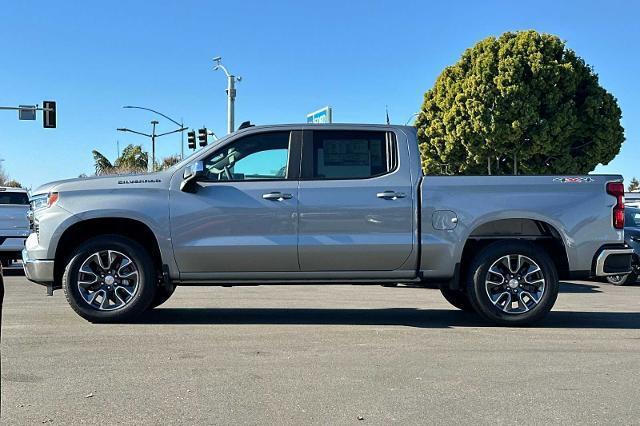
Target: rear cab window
pixel 14 198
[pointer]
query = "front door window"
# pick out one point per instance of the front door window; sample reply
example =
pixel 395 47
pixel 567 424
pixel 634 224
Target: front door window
pixel 262 156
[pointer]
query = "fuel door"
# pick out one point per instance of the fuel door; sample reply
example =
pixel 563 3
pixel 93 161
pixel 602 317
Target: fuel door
pixel 444 220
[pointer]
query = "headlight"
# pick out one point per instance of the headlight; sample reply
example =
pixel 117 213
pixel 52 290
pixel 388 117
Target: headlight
pixel 44 201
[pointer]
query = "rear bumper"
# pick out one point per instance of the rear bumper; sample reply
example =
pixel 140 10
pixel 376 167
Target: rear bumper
pixel 38 271
pixel 613 261
pixel 13 243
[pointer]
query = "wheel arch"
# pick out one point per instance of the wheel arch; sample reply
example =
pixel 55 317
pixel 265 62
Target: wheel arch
pixel 84 230
pixel 538 231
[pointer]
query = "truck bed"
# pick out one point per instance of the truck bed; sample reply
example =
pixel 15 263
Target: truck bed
pixel 456 208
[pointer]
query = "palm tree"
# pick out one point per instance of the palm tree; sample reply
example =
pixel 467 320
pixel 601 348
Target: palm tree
pixel 102 164
pixel 132 160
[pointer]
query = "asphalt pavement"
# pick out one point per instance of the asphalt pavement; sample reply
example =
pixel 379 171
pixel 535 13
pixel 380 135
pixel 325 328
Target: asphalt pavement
pixel 320 354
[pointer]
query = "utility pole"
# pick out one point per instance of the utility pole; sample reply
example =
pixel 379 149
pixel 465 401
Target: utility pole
pixel 515 164
pixel 231 92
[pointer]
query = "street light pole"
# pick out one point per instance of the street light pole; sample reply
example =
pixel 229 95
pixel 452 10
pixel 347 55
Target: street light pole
pixel 153 145
pixel 231 100
pixel 153 135
pixel 231 93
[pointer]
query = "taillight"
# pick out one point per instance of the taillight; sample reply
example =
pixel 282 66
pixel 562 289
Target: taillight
pixel 617 190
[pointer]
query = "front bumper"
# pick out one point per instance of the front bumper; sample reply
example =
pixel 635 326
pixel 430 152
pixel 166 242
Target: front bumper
pixel 38 271
pixel 613 261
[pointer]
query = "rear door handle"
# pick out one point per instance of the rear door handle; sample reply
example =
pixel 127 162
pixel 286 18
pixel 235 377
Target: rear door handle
pixel 390 195
pixel 276 196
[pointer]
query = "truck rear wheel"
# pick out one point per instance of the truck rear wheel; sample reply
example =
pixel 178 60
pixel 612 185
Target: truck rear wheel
pixel 457 298
pixel 512 283
pixel 109 279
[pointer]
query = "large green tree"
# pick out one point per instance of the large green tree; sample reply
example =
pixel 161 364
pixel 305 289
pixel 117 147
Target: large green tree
pixel 523 95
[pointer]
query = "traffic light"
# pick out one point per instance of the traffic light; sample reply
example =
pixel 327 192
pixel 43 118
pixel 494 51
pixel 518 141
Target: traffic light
pixel 49 115
pixel 202 137
pixel 191 139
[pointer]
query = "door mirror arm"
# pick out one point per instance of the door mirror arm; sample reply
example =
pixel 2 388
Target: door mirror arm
pixel 191 175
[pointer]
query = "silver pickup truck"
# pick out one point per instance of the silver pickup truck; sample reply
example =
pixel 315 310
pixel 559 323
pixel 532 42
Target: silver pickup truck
pixel 323 204
pixel 14 226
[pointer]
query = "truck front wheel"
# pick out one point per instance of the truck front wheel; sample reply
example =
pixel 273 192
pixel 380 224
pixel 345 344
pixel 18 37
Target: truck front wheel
pixel 109 279
pixel 512 283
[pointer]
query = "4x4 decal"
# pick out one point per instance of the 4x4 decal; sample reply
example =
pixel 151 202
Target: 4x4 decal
pixel 573 179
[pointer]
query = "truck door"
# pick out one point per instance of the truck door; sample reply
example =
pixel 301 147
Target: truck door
pixel 356 202
pixel 243 217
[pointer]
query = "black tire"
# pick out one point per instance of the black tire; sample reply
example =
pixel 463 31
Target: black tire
pixel 141 299
pixel 621 280
pixel 478 293
pixel 162 295
pixel 457 298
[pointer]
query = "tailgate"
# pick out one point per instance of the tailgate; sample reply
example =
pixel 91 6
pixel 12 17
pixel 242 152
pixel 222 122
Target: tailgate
pixel 13 218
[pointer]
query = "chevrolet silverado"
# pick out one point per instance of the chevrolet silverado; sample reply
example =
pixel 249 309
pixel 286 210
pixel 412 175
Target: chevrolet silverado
pixel 323 204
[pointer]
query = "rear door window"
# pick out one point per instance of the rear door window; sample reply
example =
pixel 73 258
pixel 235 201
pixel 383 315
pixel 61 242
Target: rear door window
pixel 14 198
pixel 351 154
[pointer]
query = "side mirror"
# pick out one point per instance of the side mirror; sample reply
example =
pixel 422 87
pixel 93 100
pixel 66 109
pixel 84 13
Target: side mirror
pixel 190 176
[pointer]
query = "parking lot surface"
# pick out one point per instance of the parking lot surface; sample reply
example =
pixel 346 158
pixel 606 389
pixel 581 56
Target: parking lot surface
pixel 320 354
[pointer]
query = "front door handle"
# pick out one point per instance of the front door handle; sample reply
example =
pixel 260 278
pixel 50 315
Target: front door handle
pixel 276 196
pixel 390 195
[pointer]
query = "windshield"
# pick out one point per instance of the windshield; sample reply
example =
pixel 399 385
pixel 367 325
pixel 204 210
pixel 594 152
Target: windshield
pixel 14 198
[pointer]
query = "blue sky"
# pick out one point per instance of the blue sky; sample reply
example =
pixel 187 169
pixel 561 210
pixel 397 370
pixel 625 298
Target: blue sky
pixel 295 57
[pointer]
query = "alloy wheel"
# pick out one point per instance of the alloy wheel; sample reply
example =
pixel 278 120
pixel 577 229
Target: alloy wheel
pixel 515 284
pixel 108 280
